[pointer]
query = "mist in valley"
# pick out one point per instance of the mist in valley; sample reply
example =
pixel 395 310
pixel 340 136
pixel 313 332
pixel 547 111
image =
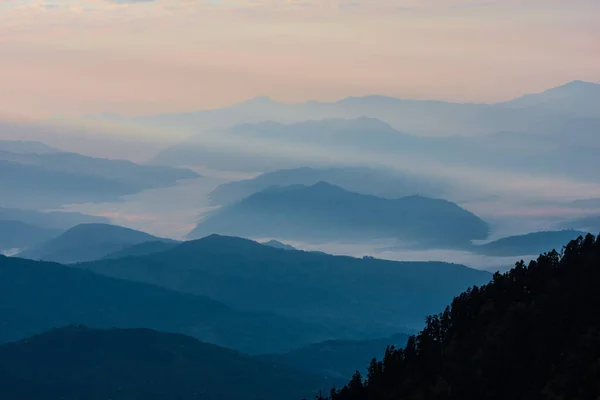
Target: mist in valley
pixel 267 200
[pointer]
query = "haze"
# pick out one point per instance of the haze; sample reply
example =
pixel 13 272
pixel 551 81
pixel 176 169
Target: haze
pixel 79 57
pixel 299 199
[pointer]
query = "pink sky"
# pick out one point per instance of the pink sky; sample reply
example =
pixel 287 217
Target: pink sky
pixel 92 56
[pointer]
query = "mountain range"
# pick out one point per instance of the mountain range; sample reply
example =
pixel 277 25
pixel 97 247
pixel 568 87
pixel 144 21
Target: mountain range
pixel 324 212
pixel 362 180
pixel 547 112
pixel 356 298
pixel 38 296
pixel 268 146
pixel 532 325
pixel 50 179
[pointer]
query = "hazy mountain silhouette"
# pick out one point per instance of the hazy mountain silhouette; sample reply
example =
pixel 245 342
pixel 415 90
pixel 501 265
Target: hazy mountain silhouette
pixel 528 244
pixel 44 180
pixel 88 242
pixel 590 224
pixel 570 148
pixel 415 116
pixel 20 235
pixel 77 363
pixel 59 220
pixel 236 154
pixel 357 298
pixel 534 326
pixel 363 180
pixel 278 245
pixel 359 131
pixel 26 147
pixel 336 359
pixel 143 249
pixel 574 98
pixel 324 212
pixel 36 296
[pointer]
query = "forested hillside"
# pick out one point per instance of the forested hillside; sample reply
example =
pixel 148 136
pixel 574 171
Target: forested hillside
pixel 532 333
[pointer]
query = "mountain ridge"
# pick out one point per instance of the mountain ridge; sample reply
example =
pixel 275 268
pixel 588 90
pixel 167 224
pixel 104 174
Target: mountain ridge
pixel 322 212
pixel 363 180
pixel 88 242
pixel 37 296
pixel 124 364
pixel 354 297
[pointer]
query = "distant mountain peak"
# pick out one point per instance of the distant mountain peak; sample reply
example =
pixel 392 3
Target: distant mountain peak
pixel 279 245
pixel 576 96
pixel 580 83
pixel 325 187
pixel 323 184
pixel 575 87
pixel 323 211
pixel 87 242
pixel 260 100
pixel 213 239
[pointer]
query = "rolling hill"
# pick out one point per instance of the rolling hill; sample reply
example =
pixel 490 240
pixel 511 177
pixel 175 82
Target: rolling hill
pixel 88 242
pixel 123 364
pixel 323 212
pixel 357 298
pixel 37 296
pixel 529 244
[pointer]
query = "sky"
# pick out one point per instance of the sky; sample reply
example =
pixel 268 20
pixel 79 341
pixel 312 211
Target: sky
pixel 81 57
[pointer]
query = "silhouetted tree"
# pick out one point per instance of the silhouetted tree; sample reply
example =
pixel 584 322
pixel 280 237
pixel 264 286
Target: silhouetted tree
pixel 531 333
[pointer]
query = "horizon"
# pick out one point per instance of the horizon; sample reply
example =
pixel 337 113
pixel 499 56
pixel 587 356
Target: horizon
pixel 270 99
pixel 66 57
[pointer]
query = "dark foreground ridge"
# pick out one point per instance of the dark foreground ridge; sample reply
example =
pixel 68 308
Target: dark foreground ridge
pixel 532 333
pixel 38 296
pixel 82 363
